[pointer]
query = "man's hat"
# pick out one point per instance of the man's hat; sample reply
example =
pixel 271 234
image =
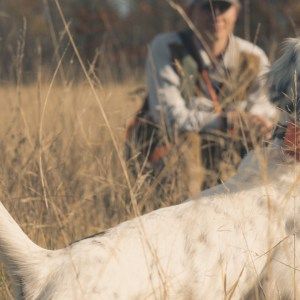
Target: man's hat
pixel 190 2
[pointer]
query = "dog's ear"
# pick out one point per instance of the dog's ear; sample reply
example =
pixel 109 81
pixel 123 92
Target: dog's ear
pixel 283 78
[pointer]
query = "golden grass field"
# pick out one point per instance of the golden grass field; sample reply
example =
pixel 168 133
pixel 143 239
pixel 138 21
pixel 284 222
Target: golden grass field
pixel 61 177
pixel 55 148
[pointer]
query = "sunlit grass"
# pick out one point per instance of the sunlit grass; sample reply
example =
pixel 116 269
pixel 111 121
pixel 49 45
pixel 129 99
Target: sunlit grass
pixel 84 185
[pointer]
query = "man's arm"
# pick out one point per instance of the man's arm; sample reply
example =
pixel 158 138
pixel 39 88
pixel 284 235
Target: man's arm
pixel 257 111
pixel 165 99
pixel 258 97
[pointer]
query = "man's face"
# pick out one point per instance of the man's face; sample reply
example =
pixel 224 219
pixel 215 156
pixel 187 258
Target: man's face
pixel 215 19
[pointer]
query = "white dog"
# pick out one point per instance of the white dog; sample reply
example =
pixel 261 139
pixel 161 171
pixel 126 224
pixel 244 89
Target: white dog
pixel 237 240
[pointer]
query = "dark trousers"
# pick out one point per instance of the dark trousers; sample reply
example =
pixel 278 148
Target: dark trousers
pixel 196 161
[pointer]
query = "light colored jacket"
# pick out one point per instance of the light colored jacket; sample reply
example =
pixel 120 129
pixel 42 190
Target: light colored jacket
pixel 165 98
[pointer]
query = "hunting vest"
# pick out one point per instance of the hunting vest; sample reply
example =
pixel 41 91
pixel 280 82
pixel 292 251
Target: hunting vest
pixel 147 138
pixel 234 85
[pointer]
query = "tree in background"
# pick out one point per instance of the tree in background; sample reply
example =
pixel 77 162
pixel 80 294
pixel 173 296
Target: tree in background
pixel 112 35
pixel 22 28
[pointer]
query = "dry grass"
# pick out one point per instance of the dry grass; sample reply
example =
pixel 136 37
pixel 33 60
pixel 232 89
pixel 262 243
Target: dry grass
pixel 72 167
pixel 61 178
pixel 83 180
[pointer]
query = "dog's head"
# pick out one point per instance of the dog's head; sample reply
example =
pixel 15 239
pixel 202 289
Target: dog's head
pixel 284 86
pixel 284 80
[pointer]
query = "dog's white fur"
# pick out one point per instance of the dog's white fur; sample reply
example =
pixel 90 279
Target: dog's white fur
pixel 237 240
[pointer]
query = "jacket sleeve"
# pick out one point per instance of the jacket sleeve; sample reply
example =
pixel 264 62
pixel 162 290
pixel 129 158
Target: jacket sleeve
pixel 258 97
pixel 165 99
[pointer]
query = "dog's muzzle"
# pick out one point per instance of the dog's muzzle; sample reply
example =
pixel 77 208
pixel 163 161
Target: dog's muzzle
pixel 291 142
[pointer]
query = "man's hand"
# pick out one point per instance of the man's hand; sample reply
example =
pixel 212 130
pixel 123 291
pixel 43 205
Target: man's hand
pixel 253 127
pixel 263 126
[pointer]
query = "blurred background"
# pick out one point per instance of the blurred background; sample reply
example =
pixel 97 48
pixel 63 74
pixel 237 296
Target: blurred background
pixel 60 174
pixel 112 35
